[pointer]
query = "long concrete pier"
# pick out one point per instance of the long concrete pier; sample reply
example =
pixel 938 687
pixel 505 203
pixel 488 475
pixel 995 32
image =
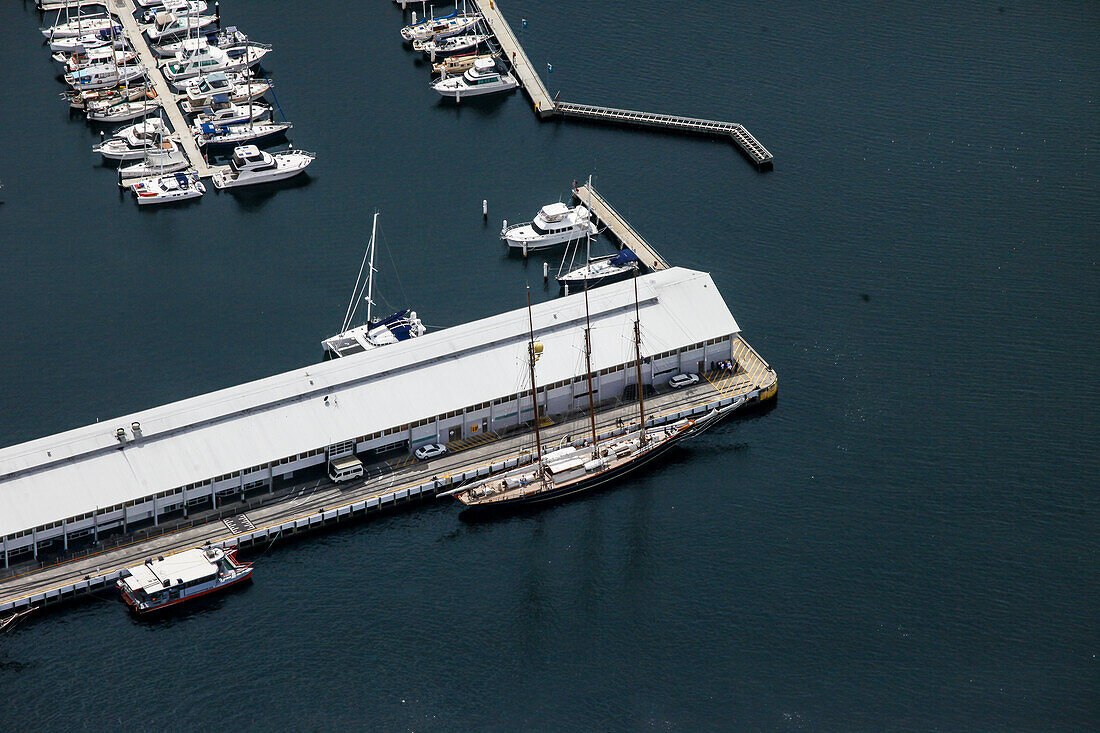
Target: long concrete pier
pixel 547 106
pixel 320 504
pixel 619 227
pixel 126 11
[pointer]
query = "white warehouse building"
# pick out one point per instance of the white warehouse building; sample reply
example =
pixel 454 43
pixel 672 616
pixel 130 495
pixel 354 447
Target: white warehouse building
pixel 445 385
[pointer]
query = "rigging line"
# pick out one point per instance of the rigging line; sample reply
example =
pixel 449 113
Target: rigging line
pixel 393 266
pixel 355 292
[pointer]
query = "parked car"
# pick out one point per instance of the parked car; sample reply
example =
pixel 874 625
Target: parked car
pixel 431 450
pixel 683 380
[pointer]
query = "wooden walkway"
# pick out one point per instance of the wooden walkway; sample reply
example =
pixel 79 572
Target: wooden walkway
pixel 181 131
pixel 618 226
pixel 756 152
pixel 521 65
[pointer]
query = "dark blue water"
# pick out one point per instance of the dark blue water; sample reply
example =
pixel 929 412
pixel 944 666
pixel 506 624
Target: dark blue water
pixel 906 542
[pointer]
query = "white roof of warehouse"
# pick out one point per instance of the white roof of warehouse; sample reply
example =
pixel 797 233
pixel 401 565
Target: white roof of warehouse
pixel 70 473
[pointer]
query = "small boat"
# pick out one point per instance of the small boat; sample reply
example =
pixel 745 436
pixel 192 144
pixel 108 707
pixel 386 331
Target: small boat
pixel 103 76
pixel 164 582
pixel 179 8
pixel 221 111
pixel 554 224
pixel 99 39
pixel 101 55
pixel 400 326
pixel 213 59
pixel 225 38
pixel 122 93
pixel 448 46
pixel 600 271
pixel 78 26
pixel 482 78
pixel 237 87
pixel 457 64
pixel 121 111
pixel 449 25
pixel 168 189
pixel 250 165
pixel 157 162
pixel 169 26
pixel 131 142
pixel 218 135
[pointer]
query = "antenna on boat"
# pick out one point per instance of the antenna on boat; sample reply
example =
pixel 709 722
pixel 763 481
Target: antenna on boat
pixel 638 359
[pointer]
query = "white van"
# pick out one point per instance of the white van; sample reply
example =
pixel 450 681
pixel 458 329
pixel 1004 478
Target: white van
pixel 345 469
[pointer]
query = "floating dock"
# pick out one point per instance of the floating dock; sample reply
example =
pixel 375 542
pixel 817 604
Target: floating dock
pixel 126 11
pixel 619 227
pixel 547 106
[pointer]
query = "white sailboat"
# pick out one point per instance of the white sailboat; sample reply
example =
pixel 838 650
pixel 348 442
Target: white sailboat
pixel 400 326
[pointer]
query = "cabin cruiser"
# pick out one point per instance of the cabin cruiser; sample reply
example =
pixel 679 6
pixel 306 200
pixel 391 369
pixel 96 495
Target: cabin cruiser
pixel 168 189
pixel 156 162
pixel 600 271
pixel 208 134
pixel 124 93
pixel 400 326
pixel 221 111
pixel 131 142
pixel 102 55
pixel 179 8
pixel 482 78
pixel 120 111
pixel 102 76
pixel 78 26
pixel 554 224
pixel 448 25
pixel 237 87
pixel 164 582
pixel 457 64
pixel 213 59
pixel 225 39
pixel 168 25
pixel 102 38
pixel 250 165
pixel 447 46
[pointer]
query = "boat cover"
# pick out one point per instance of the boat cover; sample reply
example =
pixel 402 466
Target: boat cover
pixel 220 99
pixel 624 257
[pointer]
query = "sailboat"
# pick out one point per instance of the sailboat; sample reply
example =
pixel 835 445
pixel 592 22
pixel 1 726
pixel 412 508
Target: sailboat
pixel 572 470
pixel 399 326
pixel 596 270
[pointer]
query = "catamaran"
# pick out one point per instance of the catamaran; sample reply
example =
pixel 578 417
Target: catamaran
pixel 164 582
pixel 399 326
pixel 481 78
pixel 571 470
pixel 168 189
pixel 250 165
pixel 554 224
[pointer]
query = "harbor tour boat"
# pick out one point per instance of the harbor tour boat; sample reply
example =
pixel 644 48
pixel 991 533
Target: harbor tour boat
pixel 161 583
pixel 399 326
pixel 250 165
pixel 572 470
pixel 554 224
pixel 444 27
pixel 481 78
pixel 168 189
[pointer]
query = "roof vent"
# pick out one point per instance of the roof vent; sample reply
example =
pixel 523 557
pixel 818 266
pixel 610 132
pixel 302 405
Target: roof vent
pixel 136 427
pixel 121 435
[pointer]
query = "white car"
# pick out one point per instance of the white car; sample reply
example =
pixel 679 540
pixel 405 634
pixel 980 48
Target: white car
pixel 431 450
pixel 683 380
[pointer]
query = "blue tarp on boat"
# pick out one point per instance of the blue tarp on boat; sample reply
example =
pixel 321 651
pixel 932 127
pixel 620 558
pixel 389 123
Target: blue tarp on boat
pixel 624 257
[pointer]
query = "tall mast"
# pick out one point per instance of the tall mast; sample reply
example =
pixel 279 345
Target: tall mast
pixel 370 272
pixel 588 367
pixel 638 357
pixel 534 392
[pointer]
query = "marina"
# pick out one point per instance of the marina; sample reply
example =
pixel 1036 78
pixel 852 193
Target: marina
pixel 619 227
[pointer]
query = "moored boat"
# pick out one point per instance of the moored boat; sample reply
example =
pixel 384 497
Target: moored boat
pixel 482 78
pixel 250 165
pixel 453 44
pixel 169 26
pixel 214 135
pixel 111 36
pixel 554 224
pixel 225 38
pixel 457 64
pixel 237 87
pixel 103 76
pixel 131 142
pixel 221 111
pixel 600 271
pixel 156 162
pixel 120 111
pixel 212 59
pixel 163 582
pixel 79 26
pixel 168 189
pixel 444 27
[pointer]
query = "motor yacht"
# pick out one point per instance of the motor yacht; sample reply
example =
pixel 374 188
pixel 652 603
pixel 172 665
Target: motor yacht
pixel 157 162
pixel 225 38
pixel 179 8
pixel 103 76
pixel 168 189
pixel 101 55
pixel 237 87
pixel 169 26
pixel 481 78
pixel 213 59
pixel 221 111
pixel 554 224
pixel 250 165
pixel 131 142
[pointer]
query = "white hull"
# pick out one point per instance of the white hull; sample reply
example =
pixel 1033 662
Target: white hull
pixel 122 112
pixel 182 79
pixel 506 83
pixel 548 240
pixel 287 165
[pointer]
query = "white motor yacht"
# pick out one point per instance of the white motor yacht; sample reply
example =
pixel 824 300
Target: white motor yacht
pixel 169 26
pixel 237 87
pixel 481 78
pixel 250 165
pixel 102 55
pixel 225 38
pixel 156 162
pixel 131 142
pixel 102 76
pixel 179 8
pixel 168 189
pixel 554 224
pixel 221 111
pixel 121 111
pixel 213 59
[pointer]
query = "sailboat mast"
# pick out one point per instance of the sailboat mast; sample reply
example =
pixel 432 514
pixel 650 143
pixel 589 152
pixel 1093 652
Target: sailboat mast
pixel 534 391
pixel 370 271
pixel 638 357
pixel 588 367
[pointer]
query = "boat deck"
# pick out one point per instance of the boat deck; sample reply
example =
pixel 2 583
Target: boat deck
pixel 619 227
pixel 320 503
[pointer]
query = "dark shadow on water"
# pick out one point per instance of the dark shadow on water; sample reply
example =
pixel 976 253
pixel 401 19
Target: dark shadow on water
pixel 201 606
pixel 254 198
pixel 484 105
